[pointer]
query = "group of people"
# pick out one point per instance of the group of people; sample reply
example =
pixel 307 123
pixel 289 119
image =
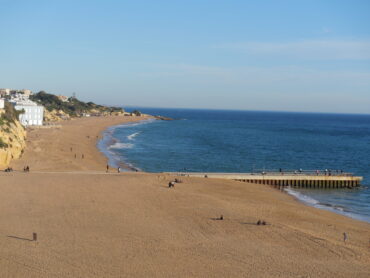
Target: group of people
pixel 118 169
pixel 326 172
pixel 10 169
pixel 172 183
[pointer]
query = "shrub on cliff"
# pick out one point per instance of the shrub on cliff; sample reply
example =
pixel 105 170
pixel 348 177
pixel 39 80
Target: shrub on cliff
pixel 3 145
pixel 73 107
pixel 10 115
pixel 136 113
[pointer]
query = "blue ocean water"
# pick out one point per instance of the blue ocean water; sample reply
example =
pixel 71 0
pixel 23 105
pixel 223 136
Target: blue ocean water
pixel 242 141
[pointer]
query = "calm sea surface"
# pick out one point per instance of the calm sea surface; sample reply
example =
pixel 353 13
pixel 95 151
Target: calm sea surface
pixel 242 141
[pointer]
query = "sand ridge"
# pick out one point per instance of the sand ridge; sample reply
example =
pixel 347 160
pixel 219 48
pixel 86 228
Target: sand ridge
pixel 96 224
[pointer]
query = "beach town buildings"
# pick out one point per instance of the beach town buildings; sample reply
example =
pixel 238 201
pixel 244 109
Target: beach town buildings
pixel 33 114
pixel 15 93
pixel 25 92
pixel 63 98
pixel 4 92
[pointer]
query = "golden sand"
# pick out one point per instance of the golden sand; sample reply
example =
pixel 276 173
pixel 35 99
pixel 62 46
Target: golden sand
pixel 93 224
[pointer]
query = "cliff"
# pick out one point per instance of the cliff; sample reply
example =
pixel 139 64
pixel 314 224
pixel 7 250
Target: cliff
pixel 12 137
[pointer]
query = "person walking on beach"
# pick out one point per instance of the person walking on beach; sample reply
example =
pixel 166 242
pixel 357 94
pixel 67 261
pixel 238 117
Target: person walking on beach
pixel 119 169
pixel 107 168
pixel 345 237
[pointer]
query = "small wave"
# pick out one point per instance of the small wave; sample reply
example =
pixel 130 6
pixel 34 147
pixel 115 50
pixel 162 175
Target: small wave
pixel 304 198
pixel 132 136
pixel 334 208
pixel 122 146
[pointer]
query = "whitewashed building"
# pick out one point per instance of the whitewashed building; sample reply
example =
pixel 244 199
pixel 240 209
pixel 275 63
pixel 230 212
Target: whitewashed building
pixel 2 103
pixel 33 113
pixel 4 92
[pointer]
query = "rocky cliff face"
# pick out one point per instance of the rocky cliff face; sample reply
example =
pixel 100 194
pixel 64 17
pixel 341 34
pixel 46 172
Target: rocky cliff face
pixel 55 116
pixel 12 142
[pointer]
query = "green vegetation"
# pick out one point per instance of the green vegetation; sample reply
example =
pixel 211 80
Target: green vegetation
pixel 3 145
pixel 10 115
pixel 73 107
pixel 136 113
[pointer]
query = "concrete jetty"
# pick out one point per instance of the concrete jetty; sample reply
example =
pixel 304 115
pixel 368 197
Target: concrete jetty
pixel 303 179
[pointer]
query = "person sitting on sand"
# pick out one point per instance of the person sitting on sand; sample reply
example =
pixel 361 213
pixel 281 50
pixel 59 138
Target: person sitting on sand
pixel 171 184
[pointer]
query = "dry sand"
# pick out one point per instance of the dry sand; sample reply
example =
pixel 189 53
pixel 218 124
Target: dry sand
pixel 93 224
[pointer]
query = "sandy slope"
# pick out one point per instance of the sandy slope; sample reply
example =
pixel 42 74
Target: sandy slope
pixel 93 224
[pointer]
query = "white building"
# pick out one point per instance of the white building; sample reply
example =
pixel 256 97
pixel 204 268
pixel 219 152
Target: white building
pixel 33 113
pixel 2 103
pixel 25 92
pixel 4 92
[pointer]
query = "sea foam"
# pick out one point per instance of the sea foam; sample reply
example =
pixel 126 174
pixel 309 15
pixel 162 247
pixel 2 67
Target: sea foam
pixel 121 146
pixel 132 136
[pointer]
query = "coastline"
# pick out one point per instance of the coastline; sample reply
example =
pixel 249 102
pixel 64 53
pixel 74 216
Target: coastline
pixel 97 224
pixel 55 149
pixel 311 202
pixel 107 143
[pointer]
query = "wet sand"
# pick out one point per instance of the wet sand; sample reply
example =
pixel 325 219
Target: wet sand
pixel 93 224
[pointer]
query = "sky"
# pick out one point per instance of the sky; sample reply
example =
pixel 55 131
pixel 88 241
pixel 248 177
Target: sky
pixel 307 56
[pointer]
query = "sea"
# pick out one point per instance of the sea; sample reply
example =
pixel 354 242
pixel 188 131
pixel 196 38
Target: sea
pixel 251 141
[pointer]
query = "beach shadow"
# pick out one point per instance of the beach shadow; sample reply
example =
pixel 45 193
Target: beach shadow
pixel 216 218
pixel 20 238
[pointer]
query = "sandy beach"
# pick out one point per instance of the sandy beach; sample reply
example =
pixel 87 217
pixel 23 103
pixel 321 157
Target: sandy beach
pixel 95 224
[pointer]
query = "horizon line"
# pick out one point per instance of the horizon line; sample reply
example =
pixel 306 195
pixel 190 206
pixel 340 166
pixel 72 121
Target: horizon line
pixel 245 110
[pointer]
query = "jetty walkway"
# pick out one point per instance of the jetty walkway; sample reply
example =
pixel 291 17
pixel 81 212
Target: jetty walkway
pixel 303 179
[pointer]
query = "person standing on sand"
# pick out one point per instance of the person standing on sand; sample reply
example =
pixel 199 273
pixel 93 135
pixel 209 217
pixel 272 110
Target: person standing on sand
pixel 119 169
pixel 345 237
pixel 107 168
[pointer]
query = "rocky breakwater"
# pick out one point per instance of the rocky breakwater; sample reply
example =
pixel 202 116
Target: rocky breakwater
pixel 12 137
pixel 163 118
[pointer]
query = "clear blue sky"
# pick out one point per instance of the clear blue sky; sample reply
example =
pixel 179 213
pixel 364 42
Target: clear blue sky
pixel 254 55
